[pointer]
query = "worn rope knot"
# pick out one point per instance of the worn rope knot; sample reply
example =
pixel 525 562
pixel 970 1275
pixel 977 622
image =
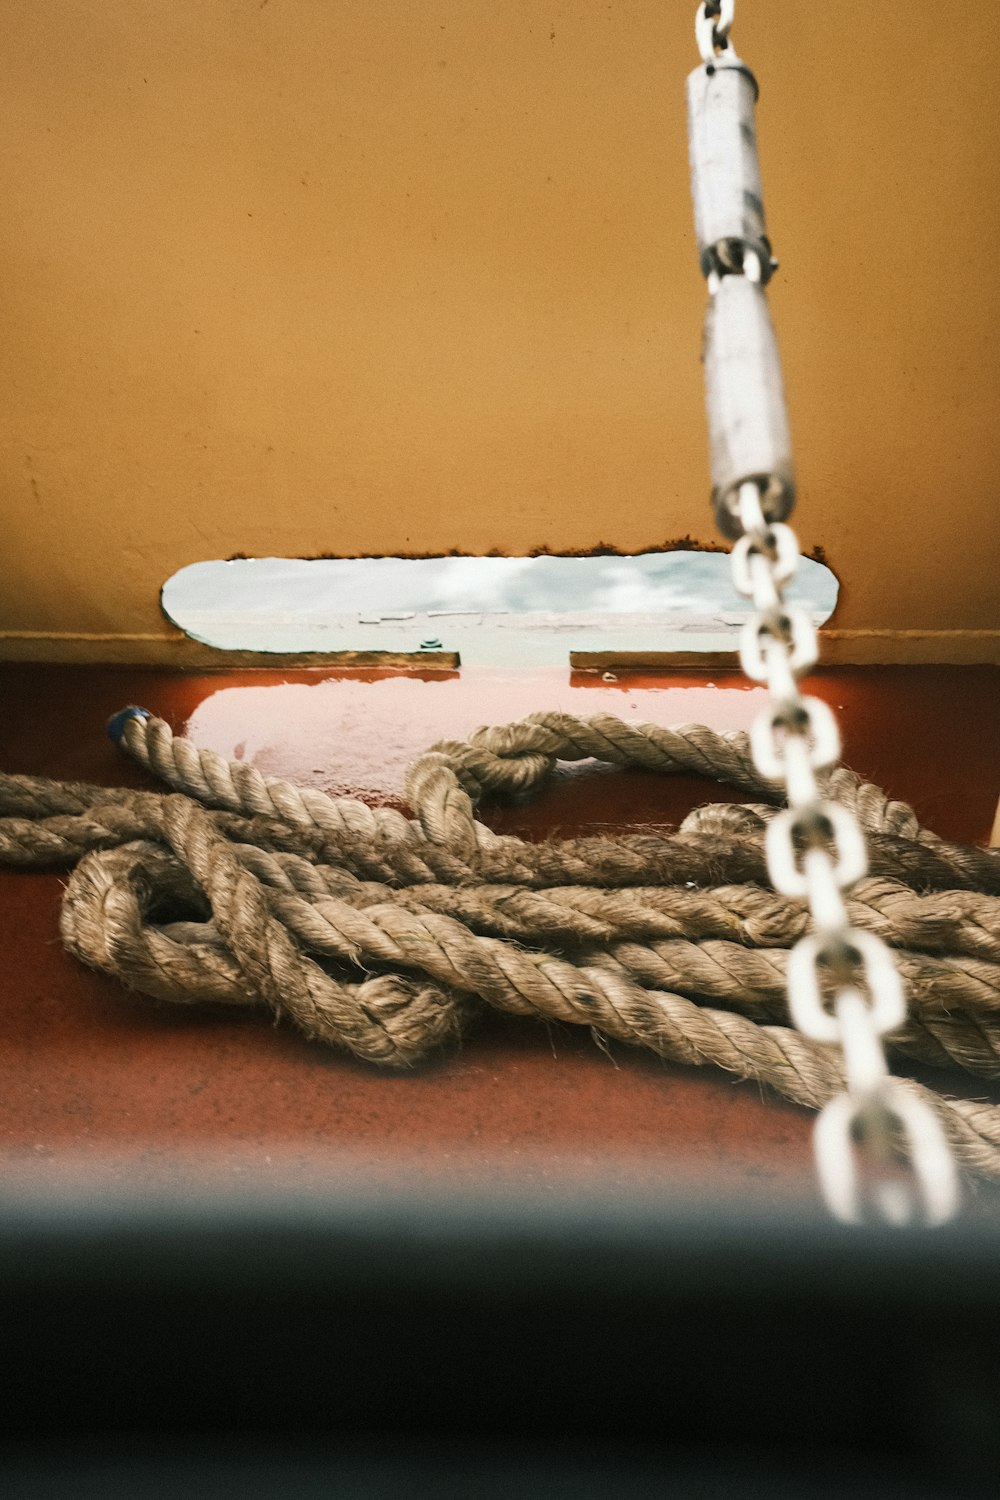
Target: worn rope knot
pixel 384 934
pixel 726 818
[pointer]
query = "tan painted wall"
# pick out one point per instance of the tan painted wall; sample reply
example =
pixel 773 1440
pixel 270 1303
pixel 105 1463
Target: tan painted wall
pixel 302 276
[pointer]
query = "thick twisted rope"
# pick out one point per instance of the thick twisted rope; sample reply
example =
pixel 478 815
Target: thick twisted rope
pixel 382 934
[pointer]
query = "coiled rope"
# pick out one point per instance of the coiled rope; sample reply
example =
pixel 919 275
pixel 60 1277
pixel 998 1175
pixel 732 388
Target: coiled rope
pixel 383 934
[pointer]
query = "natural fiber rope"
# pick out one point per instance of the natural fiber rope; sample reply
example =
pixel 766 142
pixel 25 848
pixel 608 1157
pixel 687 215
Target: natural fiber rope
pixel 380 934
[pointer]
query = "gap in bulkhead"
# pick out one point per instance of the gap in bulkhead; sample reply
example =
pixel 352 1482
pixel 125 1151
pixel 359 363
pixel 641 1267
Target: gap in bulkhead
pixel 493 610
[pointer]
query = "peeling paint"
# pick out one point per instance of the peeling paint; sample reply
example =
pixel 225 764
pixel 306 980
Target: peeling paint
pixel 599 549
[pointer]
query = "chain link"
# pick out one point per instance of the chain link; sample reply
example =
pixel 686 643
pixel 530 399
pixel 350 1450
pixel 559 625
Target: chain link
pixel 778 648
pixel 844 988
pixel 882 1117
pixel 848 954
pixel 711 27
pixel 842 854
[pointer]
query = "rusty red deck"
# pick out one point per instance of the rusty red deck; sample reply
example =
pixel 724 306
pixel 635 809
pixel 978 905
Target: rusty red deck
pixel 91 1075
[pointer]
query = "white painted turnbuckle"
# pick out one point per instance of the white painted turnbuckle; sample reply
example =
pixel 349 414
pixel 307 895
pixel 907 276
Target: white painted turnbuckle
pixel 747 421
pixel 725 170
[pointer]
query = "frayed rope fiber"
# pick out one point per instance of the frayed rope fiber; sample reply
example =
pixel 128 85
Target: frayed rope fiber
pixel 384 934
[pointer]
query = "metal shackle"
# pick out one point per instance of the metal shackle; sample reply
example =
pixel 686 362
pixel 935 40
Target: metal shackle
pixel 747 421
pixel 725 170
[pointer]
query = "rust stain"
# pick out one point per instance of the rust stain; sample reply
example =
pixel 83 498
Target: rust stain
pixel 599 549
pixel 608 549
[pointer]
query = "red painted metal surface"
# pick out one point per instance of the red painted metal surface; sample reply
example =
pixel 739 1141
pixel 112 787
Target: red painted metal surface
pixel 92 1075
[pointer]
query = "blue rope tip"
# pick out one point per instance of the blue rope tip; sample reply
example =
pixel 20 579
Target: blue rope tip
pixel 117 722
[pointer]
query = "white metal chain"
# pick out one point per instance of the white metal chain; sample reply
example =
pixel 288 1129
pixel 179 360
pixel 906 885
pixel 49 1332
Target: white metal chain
pixel 711 27
pixel 844 989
